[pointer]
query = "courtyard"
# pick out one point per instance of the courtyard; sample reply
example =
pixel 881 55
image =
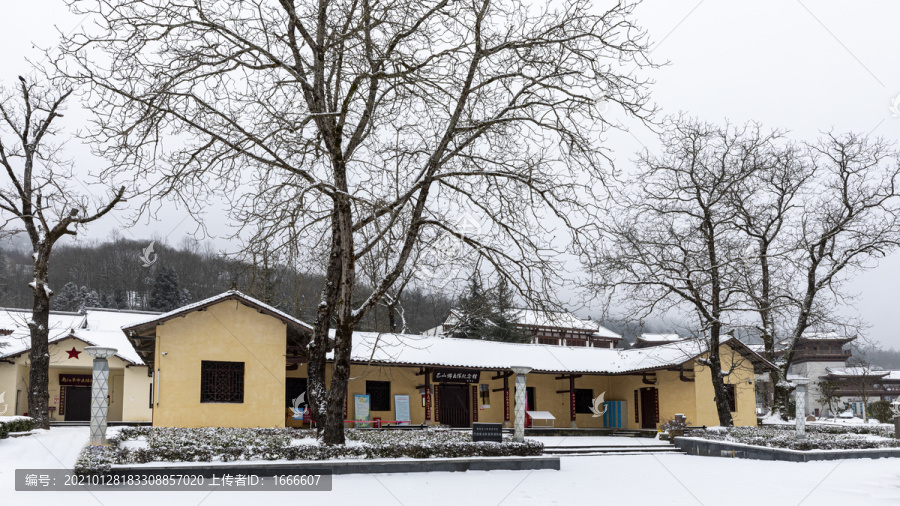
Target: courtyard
pixel 653 479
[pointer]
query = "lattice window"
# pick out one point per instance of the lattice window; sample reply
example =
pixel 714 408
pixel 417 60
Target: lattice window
pixel 576 342
pixel 221 381
pixel 379 395
pixel 548 340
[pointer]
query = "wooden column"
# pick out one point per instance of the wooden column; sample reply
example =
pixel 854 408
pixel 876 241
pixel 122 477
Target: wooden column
pixel 504 375
pixel 571 392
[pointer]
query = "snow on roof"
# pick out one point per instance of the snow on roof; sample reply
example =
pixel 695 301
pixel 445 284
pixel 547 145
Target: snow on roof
pixel 829 335
pixel 660 338
pixel 757 348
pixel 98 327
pixel 558 319
pixel 109 320
pixel 856 371
pixel 475 353
pixel 16 320
pixel 230 294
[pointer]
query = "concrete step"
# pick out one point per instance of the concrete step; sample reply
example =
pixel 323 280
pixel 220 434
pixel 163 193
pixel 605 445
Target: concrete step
pixel 610 450
pixel 608 454
pixel 109 424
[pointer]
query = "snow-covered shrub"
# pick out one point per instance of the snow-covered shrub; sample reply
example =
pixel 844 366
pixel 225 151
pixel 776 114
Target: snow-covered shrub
pixel 20 424
pixel 817 437
pixel 881 411
pixel 98 459
pixel 226 444
pixel 4 431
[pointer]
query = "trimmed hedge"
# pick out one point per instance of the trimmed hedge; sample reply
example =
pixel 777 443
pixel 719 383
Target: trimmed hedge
pixel 228 444
pixel 818 437
pixel 20 424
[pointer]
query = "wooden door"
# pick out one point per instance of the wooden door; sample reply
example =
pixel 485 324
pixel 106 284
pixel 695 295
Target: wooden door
pixel 649 408
pixel 78 404
pixel 454 405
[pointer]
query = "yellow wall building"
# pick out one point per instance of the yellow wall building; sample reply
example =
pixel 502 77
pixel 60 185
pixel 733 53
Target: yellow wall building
pixel 71 366
pixel 233 361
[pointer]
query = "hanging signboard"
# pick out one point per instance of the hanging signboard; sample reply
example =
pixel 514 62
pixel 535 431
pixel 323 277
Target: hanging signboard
pixel 451 375
pixel 75 380
pixel 401 407
pixel 361 407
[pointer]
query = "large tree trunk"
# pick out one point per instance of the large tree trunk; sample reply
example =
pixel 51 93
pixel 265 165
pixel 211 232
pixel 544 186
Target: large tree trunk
pixel 718 382
pixel 318 391
pixel 346 319
pixel 781 401
pixel 39 375
pixel 337 395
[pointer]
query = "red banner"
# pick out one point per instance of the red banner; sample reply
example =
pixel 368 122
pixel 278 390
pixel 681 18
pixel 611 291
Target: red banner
pixel 506 404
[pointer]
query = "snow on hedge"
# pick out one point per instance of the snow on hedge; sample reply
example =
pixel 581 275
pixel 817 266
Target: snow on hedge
pixel 137 445
pixel 818 437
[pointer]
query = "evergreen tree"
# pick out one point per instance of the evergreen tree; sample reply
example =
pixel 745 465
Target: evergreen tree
pixel 4 276
pixel 166 294
pixel 68 299
pixel 473 312
pixel 87 298
pixel 503 315
pixel 120 300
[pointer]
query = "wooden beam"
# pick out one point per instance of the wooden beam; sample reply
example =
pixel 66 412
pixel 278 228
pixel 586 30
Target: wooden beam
pixel 568 376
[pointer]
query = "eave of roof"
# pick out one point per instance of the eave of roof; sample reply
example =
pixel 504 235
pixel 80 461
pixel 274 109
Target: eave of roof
pixel 260 306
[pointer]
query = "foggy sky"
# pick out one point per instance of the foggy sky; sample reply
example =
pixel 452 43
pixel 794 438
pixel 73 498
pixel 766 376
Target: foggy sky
pixel 807 67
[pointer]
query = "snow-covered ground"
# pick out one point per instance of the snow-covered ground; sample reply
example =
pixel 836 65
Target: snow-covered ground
pixel 641 480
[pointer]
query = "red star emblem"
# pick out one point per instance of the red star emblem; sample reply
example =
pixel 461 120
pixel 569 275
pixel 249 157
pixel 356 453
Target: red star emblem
pixel 73 353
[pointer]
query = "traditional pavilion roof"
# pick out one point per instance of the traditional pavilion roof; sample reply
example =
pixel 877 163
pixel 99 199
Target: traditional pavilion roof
pixel 648 340
pixel 856 372
pixel 826 336
pixel 550 319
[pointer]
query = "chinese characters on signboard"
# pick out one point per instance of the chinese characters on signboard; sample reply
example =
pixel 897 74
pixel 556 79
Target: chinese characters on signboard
pixel 446 375
pixel 75 380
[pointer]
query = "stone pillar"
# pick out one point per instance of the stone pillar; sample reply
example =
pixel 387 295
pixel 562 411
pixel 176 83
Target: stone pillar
pixel 895 409
pixel 800 404
pixel 99 391
pixel 519 430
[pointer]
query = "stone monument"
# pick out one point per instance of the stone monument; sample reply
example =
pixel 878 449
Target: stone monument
pixel 519 430
pixel 800 406
pixel 99 391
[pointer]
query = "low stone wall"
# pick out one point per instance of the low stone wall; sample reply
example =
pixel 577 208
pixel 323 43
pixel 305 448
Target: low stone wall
pixel 708 448
pixel 345 467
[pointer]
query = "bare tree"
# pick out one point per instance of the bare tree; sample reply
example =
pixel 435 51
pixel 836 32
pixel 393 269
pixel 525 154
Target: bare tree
pixel 812 216
pixel 830 397
pixel 669 243
pixel 346 126
pixel 38 199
